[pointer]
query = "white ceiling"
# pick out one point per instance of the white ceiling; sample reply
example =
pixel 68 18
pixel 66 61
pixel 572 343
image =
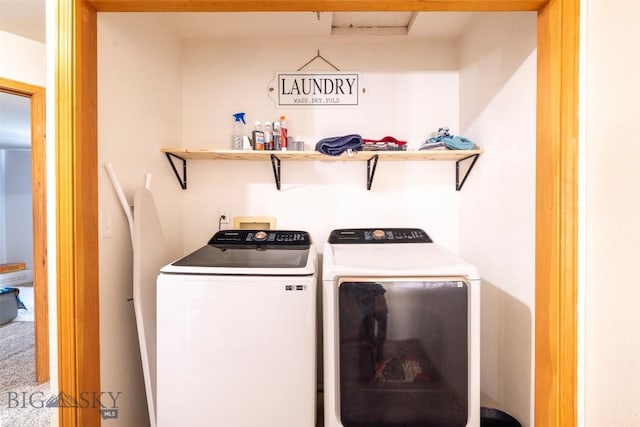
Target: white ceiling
pixel 438 25
pixel 26 18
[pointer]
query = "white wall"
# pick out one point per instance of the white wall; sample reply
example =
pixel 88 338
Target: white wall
pixel 3 222
pixel 139 111
pixel 17 207
pixel 411 90
pixel 497 213
pixel 22 59
pixel 611 202
pixel 31 62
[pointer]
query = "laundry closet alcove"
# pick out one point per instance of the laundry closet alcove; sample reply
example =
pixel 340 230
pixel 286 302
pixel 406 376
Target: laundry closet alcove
pixel 555 127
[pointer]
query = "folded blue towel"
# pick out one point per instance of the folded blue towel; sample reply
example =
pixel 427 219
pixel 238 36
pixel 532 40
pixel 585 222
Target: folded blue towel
pixel 337 145
pixel 452 142
pixel 457 143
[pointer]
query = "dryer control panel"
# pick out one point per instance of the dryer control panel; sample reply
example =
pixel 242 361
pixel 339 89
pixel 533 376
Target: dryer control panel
pixel 270 237
pixel 379 235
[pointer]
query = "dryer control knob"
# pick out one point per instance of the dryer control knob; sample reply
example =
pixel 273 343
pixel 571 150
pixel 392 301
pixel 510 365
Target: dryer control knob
pixel 378 234
pixel 260 235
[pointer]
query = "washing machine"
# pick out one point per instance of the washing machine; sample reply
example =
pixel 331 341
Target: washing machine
pixel 236 332
pixel 401 331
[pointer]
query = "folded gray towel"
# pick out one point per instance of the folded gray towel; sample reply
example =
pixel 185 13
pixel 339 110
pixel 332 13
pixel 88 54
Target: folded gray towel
pixel 337 145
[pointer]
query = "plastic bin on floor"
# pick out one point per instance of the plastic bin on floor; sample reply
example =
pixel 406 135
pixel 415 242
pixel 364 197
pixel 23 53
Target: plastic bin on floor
pixel 8 304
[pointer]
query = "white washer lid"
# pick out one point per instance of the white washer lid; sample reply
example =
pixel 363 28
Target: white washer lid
pixel 248 261
pixel 404 259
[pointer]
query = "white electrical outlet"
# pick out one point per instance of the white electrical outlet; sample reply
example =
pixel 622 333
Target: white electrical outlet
pixel 106 226
pixel 224 216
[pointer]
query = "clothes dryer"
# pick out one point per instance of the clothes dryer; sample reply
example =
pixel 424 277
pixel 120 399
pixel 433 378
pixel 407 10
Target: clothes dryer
pixel 401 331
pixel 236 332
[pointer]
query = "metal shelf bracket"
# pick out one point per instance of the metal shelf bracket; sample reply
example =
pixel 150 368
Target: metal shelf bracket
pixel 371 170
pixel 459 183
pixel 182 180
pixel 277 171
pixel 275 164
pixel 372 162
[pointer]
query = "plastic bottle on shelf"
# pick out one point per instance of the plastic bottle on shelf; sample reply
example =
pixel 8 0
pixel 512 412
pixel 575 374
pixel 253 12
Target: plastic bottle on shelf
pixel 239 126
pixel 258 137
pixel 276 135
pixel 283 134
pixel 268 136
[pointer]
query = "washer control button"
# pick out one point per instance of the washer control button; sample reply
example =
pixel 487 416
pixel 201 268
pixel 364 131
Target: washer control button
pixel 260 235
pixel 378 234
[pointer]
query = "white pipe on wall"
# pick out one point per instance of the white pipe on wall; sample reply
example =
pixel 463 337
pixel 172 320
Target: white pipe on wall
pixel 121 197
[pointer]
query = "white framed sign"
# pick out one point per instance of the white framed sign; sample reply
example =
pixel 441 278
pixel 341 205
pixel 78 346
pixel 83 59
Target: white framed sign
pixel 318 89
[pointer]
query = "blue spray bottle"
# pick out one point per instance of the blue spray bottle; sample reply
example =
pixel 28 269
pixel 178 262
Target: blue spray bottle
pixel 238 131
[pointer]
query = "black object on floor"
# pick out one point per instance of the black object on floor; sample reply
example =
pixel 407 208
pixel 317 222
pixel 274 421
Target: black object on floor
pixel 491 417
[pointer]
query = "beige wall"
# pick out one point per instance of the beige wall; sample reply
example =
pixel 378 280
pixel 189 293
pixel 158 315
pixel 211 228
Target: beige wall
pixel 611 207
pixel 139 112
pixel 412 89
pixel 497 219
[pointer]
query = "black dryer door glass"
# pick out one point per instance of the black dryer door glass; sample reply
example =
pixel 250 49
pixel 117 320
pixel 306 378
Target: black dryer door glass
pixel 403 353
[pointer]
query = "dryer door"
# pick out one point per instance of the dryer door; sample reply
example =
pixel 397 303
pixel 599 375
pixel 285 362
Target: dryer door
pixel 403 346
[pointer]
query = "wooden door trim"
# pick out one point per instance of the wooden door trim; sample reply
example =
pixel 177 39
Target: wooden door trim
pixel 315 5
pixel 557 215
pixel 556 179
pixel 39 202
pixel 77 210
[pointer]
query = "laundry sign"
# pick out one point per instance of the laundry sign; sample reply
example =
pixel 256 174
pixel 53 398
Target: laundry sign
pixel 301 89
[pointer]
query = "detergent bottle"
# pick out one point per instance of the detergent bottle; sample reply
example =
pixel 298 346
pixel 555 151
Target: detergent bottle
pixel 238 131
pixel 283 134
pixel 258 136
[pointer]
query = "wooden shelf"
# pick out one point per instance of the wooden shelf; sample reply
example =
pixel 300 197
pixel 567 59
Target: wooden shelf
pixel 371 157
pixel 315 155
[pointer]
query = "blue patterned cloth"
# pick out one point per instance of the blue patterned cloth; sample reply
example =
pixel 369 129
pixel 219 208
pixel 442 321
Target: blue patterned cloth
pixel 337 145
pixel 450 141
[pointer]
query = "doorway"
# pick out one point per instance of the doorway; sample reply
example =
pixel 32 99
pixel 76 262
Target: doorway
pixel 556 185
pixel 36 95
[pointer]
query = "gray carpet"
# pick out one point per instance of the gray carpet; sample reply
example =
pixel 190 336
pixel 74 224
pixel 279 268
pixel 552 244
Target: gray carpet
pixel 20 397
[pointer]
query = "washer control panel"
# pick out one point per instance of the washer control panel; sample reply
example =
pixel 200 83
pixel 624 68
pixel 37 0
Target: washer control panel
pixel 270 237
pixel 379 235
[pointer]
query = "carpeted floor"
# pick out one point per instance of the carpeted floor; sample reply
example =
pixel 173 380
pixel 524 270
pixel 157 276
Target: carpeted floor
pixel 21 399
